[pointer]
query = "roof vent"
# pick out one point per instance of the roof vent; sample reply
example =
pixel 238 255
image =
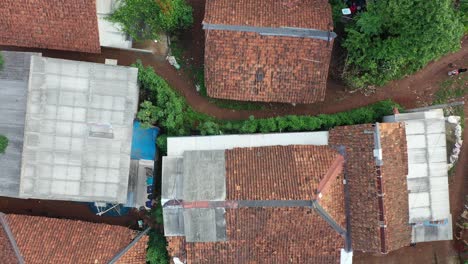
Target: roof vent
pixel 101 131
pixel 260 75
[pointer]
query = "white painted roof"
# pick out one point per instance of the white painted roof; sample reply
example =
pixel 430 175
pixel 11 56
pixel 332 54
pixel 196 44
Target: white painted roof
pixel 78 133
pixel 110 34
pixel 428 196
pixel 176 146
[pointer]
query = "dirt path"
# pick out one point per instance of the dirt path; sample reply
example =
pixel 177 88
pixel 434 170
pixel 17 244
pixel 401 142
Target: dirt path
pixel 415 90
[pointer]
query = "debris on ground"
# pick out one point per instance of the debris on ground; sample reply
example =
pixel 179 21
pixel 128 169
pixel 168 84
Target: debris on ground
pixel 172 60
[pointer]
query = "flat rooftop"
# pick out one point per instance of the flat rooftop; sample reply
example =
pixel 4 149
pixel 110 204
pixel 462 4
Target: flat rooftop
pixel 78 131
pixel 13 94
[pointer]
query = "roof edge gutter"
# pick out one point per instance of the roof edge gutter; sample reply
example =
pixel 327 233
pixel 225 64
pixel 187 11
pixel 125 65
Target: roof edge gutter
pixel 11 238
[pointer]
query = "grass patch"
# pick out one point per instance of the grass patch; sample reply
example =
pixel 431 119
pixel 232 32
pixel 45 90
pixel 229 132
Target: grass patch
pixel 452 88
pixel 198 76
pixel 3 143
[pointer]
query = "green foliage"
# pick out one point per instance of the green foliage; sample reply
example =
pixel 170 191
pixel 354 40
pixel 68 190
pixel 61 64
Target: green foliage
pixel 175 14
pixel 165 107
pixel 337 6
pixel 463 11
pixel 157 252
pixel 3 143
pixel 1 62
pixel 161 142
pixel 396 38
pixel 145 19
pixel 209 128
pixel 157 213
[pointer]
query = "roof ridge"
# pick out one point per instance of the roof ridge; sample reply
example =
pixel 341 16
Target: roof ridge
pixel 335 169
pixel 11 237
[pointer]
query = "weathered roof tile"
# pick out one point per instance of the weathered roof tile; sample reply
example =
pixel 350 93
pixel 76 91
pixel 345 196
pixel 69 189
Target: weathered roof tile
pixel 53 24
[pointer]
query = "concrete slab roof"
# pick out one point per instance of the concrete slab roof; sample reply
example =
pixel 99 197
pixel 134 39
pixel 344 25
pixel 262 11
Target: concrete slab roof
pixel 78 131
pixel 13 94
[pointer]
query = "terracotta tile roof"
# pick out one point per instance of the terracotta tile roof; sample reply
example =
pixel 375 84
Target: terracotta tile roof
pixel 48 240
pixel 267 235
pixel 270 13
pixel 360 170
pixel 294 70
pixel 250 67
pixel 276 172
pixel 137 254
pixel 53 24
pixel 394 172
pixel 362 177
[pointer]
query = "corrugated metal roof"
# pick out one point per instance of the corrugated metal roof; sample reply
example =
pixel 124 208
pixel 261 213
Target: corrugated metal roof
pixel 427 173
pixel 78 131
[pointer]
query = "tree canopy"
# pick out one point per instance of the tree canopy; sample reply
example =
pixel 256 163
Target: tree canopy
pixel 394 38
pixel 146 19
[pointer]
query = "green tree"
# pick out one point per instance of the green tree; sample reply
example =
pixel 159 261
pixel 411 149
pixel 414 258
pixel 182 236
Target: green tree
pixel 146 19
pixel 396 38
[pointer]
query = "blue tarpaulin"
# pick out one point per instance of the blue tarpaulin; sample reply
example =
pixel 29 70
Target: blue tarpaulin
pixel 143 142
pixel 143 148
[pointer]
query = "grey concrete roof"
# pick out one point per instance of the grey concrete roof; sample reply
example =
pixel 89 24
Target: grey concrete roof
pixel 196 176
pixel 78 131
pixel 204 176
pixel 205 225
pixel 13 94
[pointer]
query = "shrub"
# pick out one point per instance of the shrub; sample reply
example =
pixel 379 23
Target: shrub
pixel 157 252
pixel 3 143
pixel 209 128
pixel 463 10
pixel 145 19
pixel 396 38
